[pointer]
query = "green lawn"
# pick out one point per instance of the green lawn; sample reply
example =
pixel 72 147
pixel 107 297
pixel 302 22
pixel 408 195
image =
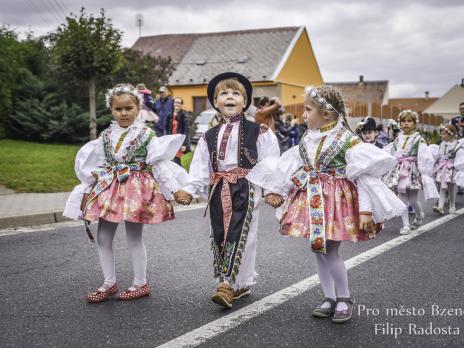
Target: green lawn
pixel 35 167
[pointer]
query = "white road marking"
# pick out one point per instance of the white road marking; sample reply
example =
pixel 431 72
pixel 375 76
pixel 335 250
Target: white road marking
pixel 234 319
pixel 54 226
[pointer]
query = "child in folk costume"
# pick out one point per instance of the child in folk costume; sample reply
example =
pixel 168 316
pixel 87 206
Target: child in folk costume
pixel 413 170
pixel 332 193
pixel 223 159
pixel 367 130
pixel 449 167
pixel 126 175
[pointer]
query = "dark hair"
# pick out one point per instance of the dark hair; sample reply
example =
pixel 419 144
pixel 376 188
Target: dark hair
pixel 461 103
pixel 380 127
pixel 263 101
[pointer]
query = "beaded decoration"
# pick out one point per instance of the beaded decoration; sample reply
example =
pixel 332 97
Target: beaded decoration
pixel 318 99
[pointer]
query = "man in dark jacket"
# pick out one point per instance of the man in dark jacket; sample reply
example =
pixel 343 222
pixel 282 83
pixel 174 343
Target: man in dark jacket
pixel 163 107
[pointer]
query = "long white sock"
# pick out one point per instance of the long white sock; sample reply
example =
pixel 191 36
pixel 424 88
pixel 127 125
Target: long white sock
pixel 105 236
pixel 138 252
pixel 441 200
pixel 413 196
pixel 452 195
pixel 405 214
pixel 338 271
pixel 332 274
pixel 325 277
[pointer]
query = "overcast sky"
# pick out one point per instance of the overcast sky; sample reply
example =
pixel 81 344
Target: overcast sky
pixel 416 45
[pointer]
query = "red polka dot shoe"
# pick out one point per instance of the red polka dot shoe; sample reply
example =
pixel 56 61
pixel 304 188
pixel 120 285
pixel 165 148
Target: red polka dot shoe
pixel 133 293
pixel 102 294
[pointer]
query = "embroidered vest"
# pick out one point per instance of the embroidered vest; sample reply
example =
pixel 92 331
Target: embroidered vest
pixel 410 147
pixel 247 154
pixel 449 152
pixel 134 152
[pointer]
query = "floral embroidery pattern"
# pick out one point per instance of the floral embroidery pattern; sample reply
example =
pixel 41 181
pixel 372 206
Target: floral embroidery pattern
pixel 229 262
pixel 323 204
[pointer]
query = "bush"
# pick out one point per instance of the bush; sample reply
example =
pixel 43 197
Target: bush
pixel 51 120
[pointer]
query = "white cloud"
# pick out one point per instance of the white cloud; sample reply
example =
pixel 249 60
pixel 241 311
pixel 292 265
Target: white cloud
pixel 417 45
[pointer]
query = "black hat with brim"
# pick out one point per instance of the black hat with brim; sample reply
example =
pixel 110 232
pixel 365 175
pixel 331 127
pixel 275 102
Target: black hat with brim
pixel 230 75
pixel 368 124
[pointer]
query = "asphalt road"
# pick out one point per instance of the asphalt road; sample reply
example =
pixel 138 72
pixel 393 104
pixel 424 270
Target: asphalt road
pixel 45 275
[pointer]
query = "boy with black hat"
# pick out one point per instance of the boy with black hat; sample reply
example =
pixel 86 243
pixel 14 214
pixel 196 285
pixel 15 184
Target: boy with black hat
pixel 222 163
pixel 367 130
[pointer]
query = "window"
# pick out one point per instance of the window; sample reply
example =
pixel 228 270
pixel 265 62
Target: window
pixel 200 104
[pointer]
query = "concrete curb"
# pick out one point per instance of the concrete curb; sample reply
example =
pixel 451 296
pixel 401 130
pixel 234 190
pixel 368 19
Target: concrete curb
pixel 32 219
pixel 47 218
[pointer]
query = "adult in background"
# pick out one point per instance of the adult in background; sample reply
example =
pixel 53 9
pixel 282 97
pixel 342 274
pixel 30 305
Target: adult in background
pixel 458 122
pixel 178 123
pixel 267 111
pixel 163 107
pixel 382 136
pixel 146 106
pixel 282 129
pixel 297 129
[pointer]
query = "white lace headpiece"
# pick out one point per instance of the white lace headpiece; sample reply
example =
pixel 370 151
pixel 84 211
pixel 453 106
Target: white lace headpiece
pixel 121 89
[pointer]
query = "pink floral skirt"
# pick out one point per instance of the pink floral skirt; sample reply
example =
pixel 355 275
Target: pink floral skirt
pixel 137 199
pixel 341 211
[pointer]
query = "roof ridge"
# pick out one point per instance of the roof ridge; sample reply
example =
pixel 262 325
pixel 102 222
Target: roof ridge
pixel 356 82
pixel 230 32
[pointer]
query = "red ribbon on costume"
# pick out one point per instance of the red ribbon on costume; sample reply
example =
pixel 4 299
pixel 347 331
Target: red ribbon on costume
pixel 229 177
pixel 443 166
pixel 405 166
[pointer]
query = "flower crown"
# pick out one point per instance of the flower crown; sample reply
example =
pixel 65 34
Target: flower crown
pixel 447 130
pixel 408 111
pixel 393 125
pixel 122 89
pixel 318 99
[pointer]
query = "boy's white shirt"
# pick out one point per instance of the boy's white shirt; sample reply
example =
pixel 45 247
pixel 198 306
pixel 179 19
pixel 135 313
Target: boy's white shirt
pixel 200 168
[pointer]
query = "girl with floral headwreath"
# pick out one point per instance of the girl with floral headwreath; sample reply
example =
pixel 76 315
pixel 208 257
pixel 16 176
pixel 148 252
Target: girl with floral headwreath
pixel 413 170
pixel 448 171
pixel 330 191
pixel 126 175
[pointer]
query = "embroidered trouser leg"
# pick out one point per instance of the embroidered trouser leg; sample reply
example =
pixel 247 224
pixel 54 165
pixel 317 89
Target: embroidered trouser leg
pixel 247 273
pixel 105 235
pixel 138 252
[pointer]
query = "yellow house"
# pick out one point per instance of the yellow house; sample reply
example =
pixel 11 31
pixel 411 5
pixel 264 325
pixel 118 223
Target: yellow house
pixel 280 62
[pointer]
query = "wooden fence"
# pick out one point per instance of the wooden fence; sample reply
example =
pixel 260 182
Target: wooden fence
pixel 383 112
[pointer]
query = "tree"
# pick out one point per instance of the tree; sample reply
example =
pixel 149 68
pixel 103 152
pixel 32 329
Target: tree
pixel 88 48
pixel 23 68
pixel 138 67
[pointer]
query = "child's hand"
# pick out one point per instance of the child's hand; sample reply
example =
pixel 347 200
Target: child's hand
pixel 183 197
pixel 274 200
pixel 365 222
